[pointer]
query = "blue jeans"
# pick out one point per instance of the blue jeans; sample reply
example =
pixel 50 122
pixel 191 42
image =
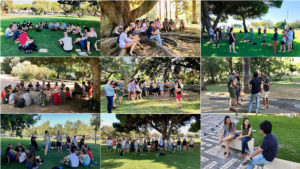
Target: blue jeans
pixel 246 36
pixel 245 144
pixel 109 103
pixel 178 148
pixel 258 159
pixel 170 148
pixel 251 35
pixel 254 97
pixel 156 37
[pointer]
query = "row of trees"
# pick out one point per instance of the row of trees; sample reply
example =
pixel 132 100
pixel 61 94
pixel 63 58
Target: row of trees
pixel 280 24
pixel 24 125
pixel 240 10
pixel 155 68
pixel 42 6
pixel 216 70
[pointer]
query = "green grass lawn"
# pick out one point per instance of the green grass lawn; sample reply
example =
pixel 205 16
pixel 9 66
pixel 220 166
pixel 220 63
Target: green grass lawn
pixel 180 160
pixel 53 159
pixel 246 49
pixel 154 106
pixel 46 39
pixel 286 130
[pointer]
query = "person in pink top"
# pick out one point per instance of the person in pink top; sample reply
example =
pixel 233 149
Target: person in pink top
pixel 157 24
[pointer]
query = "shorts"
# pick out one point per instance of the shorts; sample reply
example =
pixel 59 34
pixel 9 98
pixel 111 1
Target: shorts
pixel 119 93
pixel 178 96
pixel 147 88
pixel 191 146
pixel 58 144
pixel 108 147
pixel 131 92
pixel 92 40
pixel 161 146
pixel 123 147
pixel 282 42
pixel 148 146
pixel 114 147
pixel 85 164
pixel 237 92
pixel 259 33
pixel 275 43
pixel 265 34
pixel 211 36
pixel 290 41
pixel 265 94
pixel 137 92
pixel 232 92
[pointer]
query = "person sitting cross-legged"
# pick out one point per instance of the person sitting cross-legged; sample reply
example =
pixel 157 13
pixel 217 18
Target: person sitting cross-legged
pixel 71 160
pixel 66 42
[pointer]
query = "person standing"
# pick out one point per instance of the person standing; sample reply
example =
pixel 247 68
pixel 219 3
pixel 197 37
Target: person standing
pixel 110 92
pixel 259 32
pixel 231 85
pixel 290 40
pixel 58 142
pixel 46 142
pixel 211 34
pixel 266 90
pixel 275 41
pixel 255 92
pixel 231 41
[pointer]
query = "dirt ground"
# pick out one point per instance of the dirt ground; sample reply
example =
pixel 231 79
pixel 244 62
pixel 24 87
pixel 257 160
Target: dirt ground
pixel 70 106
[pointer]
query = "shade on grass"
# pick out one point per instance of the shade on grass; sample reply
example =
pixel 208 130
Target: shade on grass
pixel 286 130
pixel 180 160
pixel 53 159
pixel 46 39
pixel 246 49
pixel 153 106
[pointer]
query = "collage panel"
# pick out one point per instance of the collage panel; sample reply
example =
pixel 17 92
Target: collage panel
pixel 50 28
pixel 150 141
pixel 250 28
pixel 271 141
pixel 50 85
pixel 150 28
pixel 50 141
pixel 251 85
pixel 146 85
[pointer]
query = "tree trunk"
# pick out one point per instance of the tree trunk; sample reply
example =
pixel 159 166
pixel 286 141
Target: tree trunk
pixel 95 66
pixel 203 87
pixel 170 8
pixel 212 75
pixel 95 137
pixel 195 20
pixel 229 60
pixel 159 6
pixel 118 12
pixel 205 15
pixel 244 22
pixel 166 6
pixel 246 73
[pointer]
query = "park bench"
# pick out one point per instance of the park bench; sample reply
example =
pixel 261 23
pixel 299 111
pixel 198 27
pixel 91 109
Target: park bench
pixel 237 144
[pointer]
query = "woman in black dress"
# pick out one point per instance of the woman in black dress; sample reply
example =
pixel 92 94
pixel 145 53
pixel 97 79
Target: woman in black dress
pixel 231 41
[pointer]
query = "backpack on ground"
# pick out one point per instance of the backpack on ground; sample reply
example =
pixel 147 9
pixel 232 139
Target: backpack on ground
pixel 20 103
pixel 41 100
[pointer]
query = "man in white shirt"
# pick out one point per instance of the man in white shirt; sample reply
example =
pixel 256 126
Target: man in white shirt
pixel 72 159
pixel 28 97
pixel 66 43
pixel 109 145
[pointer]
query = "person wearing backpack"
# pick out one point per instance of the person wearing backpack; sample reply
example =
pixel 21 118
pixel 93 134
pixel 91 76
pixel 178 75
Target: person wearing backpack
pixel 42 98
pixel 28 97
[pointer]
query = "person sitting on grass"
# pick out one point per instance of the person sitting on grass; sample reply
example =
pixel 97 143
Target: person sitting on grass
pixel 55 97
pixel 22 156
pixel 10 154
pixel 62 95
pixel 152 34
pixel 246 135
pixel 16 35
pixel 182 25
pixel 84 158
pixel 77 31
pixel 89 152
pixel 8 32
pixel 30 25
pixel 56 25
pixel 71 160
pixel 24 26
pixel 30 162
pixel 63 25
pixel 37 28
pixel 66 43
pixel 68 142
pixel 40 24
pixel 25 40
pixel 13 97
pixel 267 151
pixel 18 147
pixel 91 39
pixel 28 97
pixel 51 26
pixel 33 143
pixel 275 41
pixel 45 26
pixel 68 94
pixel 227 134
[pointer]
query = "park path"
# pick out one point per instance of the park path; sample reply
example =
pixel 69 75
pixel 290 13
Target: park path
pixel 67 107
pixel 212 156
pixel 219 103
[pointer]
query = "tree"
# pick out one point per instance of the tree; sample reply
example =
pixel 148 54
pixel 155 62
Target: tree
pixel 246 73
pixel 95 122
pixel 195 17
pixel 280 24
pixel 165 124
pixel 7 5
pixel 16 123
pixel 41 6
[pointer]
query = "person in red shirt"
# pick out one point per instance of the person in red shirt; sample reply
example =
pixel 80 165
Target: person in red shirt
pixel 90 89
pixel 89 152
pixel 114 145
pixel 55 97
pixel 68 93
pixel 24 39
pixel 4 93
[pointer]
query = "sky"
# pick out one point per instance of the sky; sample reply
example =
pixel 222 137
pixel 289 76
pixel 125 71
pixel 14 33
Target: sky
pixel 57 118
pixel 276 14
pixel 109 119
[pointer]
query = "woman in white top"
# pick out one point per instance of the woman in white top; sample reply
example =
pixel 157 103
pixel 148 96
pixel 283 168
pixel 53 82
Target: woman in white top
pixel 138 91
pixel 46 142
pixel 126 42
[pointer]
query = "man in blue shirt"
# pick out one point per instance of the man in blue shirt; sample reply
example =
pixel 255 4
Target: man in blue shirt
pixel 267 151
pixel 153 34
pixel 110 92
pixel 255 92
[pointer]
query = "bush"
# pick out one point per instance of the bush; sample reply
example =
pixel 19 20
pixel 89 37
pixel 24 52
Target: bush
pixel 277 76
pixel 27 71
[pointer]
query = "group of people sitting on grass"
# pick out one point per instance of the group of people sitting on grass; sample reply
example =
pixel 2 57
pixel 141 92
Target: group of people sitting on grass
pixel 18 33
pixel 80 153
pixel 259 85
pixel 288 35
pixel 136 145
pixel 263 154
pixel 137 89
pixel 129 36
pixel 21 96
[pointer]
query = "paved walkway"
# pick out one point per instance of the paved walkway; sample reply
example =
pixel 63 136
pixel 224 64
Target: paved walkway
pixel 212 156
pixel 219 103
